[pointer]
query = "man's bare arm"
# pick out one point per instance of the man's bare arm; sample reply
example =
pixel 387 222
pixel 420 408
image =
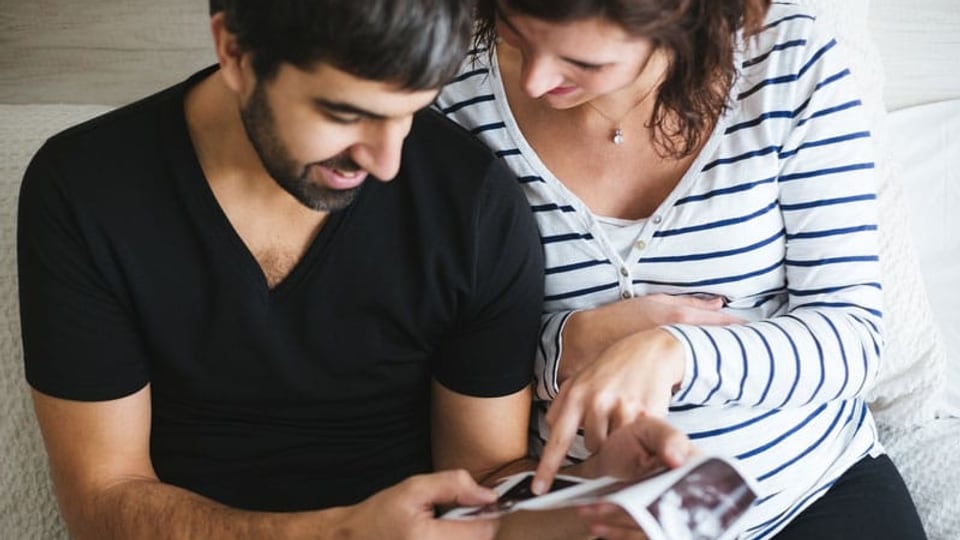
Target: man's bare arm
pixel 481 435
pixel 107 488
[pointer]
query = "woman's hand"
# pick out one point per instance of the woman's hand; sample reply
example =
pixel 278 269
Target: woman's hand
pixel 633 451
pixel 588 333
pixel 637 449
pixel 635 377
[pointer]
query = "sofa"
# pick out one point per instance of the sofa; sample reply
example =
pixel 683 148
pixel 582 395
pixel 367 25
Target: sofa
pixel 64 62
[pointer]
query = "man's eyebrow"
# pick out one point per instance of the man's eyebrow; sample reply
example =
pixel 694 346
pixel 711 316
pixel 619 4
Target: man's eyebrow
pixel 346 108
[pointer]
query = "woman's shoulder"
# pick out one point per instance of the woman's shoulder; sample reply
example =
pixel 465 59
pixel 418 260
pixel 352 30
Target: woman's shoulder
pixel 789 25
pixel 470 98
pixel 791 38
pixel 473 80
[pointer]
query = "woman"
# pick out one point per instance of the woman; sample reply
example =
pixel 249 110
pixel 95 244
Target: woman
pixel 703 179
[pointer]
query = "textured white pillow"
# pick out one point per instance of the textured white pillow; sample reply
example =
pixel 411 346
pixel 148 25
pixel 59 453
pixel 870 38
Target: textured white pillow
pixel 27 505
pixel 905 399
pixel 929 461
pixel 910 380
pixel 925 141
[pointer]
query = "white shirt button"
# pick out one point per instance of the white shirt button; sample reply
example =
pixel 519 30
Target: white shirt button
pixel 641 244
pixel 624 272
pixel 657 219
pixel 626 294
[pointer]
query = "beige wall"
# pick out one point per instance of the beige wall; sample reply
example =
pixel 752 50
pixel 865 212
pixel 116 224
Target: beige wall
pixel 98 51
pixel 106 51
pixel 916 40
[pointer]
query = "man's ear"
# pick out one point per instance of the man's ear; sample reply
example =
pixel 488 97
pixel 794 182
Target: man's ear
pixel 235 65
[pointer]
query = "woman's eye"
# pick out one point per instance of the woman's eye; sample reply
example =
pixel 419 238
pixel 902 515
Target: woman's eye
pixel 588 67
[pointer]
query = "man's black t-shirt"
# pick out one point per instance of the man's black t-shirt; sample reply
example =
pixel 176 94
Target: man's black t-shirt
pixel 311 394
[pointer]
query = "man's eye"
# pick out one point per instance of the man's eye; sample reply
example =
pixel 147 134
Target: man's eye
pixel 343 118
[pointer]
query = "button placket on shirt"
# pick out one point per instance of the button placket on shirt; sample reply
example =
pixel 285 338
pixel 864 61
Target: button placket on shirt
pixel 626 283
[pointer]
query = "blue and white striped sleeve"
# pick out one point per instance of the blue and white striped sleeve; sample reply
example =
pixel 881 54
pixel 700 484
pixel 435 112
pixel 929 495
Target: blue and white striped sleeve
pixel 827 344
pixel 547 360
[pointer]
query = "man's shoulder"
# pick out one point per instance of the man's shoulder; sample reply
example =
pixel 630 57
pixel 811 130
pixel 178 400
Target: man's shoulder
pixel 129 135
pixel 115 132
pixel 443 157
pixel 433 133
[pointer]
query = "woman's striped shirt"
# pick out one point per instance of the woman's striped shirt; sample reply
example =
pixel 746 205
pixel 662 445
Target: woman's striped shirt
pixel 778 215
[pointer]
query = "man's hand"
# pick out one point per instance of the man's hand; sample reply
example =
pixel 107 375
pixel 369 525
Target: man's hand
pixel 406 510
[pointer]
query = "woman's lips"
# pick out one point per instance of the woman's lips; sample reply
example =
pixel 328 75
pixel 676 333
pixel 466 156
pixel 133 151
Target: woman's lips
pixel 561 90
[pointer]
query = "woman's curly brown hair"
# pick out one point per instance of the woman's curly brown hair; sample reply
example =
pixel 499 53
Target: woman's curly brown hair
pixel 701 35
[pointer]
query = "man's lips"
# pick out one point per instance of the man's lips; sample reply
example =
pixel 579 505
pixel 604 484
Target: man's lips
pixel 340 179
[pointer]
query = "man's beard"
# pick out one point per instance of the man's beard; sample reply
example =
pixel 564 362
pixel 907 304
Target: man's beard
pixel 296 180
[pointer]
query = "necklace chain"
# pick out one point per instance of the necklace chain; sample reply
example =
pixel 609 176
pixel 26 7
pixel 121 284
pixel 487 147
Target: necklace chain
pixel 616 136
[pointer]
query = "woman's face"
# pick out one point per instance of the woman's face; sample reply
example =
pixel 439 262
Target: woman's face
pixel 566 64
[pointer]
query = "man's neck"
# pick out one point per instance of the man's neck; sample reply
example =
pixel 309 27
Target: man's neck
pixel 275 227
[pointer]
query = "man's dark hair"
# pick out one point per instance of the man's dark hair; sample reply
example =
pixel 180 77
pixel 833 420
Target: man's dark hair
pixel 416 44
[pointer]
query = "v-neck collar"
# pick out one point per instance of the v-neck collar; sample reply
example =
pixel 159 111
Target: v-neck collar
pixel 588 219
pixel 204 207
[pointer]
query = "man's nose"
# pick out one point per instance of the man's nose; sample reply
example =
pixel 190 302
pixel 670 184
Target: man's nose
pixel 379 152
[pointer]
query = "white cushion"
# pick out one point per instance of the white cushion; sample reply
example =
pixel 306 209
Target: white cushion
pixel 27 506
pixel 928 458
pixel 924 142
pixel 910 378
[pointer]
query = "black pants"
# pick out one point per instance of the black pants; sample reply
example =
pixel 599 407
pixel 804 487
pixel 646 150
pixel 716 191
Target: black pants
pixel 869 501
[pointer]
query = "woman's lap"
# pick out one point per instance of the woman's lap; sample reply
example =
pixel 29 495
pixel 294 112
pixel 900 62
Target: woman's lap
pixel 870 501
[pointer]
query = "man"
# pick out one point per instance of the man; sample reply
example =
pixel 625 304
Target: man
pixel 224 318
pixel 231 331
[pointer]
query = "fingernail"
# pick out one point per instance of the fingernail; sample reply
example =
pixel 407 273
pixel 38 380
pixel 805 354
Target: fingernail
pixel 676 454
pixel 538 487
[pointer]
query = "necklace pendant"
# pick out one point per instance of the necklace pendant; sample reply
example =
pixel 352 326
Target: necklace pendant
pixel 617 136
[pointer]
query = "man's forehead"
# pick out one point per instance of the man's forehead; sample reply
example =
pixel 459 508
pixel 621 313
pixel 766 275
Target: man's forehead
pixel 326 84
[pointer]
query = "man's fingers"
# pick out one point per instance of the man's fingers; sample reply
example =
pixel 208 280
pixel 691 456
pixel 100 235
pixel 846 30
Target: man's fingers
pixel 450 488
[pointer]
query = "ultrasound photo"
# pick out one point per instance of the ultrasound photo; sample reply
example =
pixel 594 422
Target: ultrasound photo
pixel 704 503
